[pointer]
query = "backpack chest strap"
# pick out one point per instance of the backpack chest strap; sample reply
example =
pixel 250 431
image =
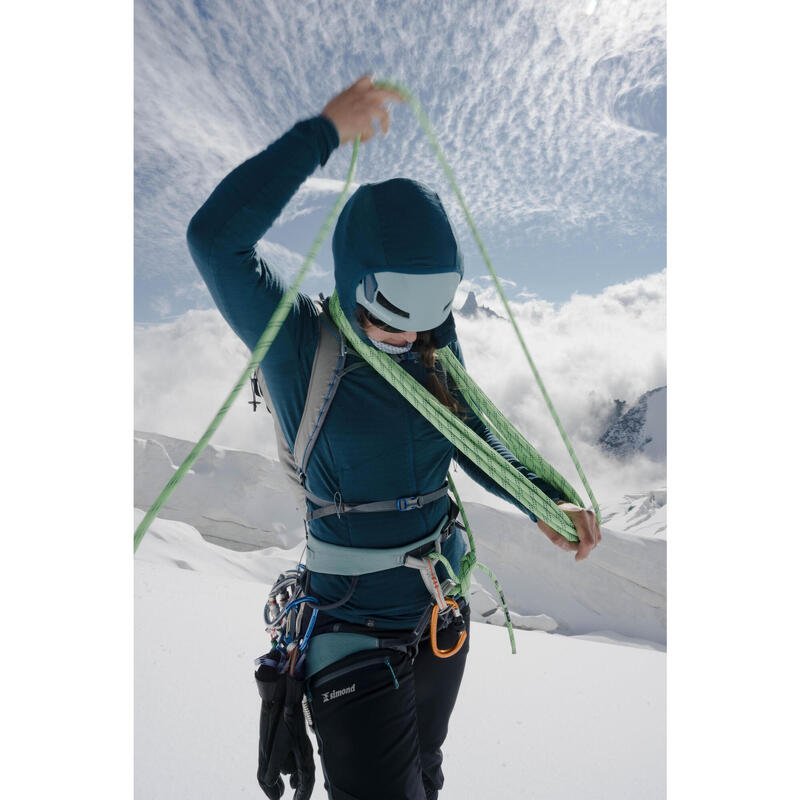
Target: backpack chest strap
pixel 399 504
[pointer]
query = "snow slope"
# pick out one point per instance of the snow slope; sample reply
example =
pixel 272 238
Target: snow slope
pixel 621 587
pixel 234 498
pixel 242 500
pixel 639 513
pixel 566 718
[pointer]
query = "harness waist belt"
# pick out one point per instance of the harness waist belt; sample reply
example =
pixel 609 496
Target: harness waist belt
pixel 334 559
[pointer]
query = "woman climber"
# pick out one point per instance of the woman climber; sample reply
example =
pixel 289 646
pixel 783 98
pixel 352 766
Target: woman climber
pixel 379 692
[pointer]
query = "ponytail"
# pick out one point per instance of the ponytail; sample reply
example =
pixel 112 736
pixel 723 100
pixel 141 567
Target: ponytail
pixel 427 356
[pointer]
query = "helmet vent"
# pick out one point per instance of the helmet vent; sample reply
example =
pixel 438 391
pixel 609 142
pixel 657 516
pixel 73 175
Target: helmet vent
pixel 394 309
pixel 370 286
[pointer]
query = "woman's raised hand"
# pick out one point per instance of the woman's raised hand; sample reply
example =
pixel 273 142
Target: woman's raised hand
pixel 352 111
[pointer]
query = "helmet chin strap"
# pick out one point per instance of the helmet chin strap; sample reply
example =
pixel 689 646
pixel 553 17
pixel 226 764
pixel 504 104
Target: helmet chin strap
pixel 391 349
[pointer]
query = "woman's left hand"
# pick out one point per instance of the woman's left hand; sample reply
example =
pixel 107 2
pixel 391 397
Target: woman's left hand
pixel 586 526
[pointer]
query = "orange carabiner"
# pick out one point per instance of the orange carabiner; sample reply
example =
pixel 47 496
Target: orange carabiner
pixel 462 637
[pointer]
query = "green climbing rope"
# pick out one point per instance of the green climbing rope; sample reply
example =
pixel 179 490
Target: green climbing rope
pixel 468 563
pixel 426 126
pixel 262 346
pixel 464 438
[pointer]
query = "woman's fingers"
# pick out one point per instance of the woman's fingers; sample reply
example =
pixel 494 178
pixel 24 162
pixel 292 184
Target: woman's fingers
pixel 388 94
pixel 354 111
pixel 384 115
pixel 556 538
pixel 588 532
pixel 374 111
pixel 366 84
pixel 586 527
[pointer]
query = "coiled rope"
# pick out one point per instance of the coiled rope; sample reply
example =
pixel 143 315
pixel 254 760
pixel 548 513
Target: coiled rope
pixel 464 438
pixel 426 126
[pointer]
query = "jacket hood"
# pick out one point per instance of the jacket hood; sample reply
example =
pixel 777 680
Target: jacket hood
pixel 399 225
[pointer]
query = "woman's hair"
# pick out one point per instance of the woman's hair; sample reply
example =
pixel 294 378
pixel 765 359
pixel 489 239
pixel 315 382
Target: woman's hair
pixel 427 355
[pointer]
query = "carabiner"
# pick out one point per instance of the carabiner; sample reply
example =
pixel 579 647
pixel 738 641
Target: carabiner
pixel 462 637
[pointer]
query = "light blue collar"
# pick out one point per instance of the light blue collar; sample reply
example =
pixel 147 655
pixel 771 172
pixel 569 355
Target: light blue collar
pixel 391 349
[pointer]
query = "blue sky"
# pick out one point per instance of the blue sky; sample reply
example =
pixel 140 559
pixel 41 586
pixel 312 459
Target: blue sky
pixel 552 114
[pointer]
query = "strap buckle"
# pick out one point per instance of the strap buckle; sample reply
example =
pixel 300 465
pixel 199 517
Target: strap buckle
pixel 409 503
pixel 256 390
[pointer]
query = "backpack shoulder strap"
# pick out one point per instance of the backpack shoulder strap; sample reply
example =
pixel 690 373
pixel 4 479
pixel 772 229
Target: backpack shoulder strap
pixel 326 372
pixel 284 451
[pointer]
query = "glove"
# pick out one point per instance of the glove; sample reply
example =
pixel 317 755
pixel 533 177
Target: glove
pixel 283 744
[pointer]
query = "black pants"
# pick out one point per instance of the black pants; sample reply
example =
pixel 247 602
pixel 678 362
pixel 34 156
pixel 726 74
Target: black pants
pixel 380 720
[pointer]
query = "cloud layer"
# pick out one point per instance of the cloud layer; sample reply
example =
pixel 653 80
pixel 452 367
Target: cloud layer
pixel 589 351
pixel 552 112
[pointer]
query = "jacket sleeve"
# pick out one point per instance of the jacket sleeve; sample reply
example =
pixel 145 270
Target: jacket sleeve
pixel 477 474
pixel 222 236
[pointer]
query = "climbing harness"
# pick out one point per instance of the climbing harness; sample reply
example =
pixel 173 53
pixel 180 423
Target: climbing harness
pixel 446 422
pixel 290 627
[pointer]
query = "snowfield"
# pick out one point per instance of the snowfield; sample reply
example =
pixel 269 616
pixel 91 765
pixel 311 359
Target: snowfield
pixel 565 718
pixel 579 712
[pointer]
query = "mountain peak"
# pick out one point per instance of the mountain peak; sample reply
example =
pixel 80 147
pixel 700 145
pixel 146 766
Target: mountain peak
pixel 472 309
pixel 642 428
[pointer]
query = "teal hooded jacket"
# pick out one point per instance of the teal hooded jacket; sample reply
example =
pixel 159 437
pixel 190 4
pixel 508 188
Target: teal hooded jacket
pixel 374 445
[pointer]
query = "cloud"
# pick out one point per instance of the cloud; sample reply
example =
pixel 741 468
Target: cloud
pixel 311 191
pixel 551 114
pixel 552 117
pixel 197 290
pixel 589 351
pixel 326 186
pixel 162 306
pixel 183 370
pixel 503 281
pixel 287 262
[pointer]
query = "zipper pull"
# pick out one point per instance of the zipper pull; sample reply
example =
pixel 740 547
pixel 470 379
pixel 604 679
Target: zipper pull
pixel 394 677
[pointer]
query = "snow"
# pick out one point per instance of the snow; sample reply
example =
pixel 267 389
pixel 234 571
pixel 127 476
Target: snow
pixel 642 513
pixel 237 499
pixel 620 587
pixel 242 500
pixel 570 716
